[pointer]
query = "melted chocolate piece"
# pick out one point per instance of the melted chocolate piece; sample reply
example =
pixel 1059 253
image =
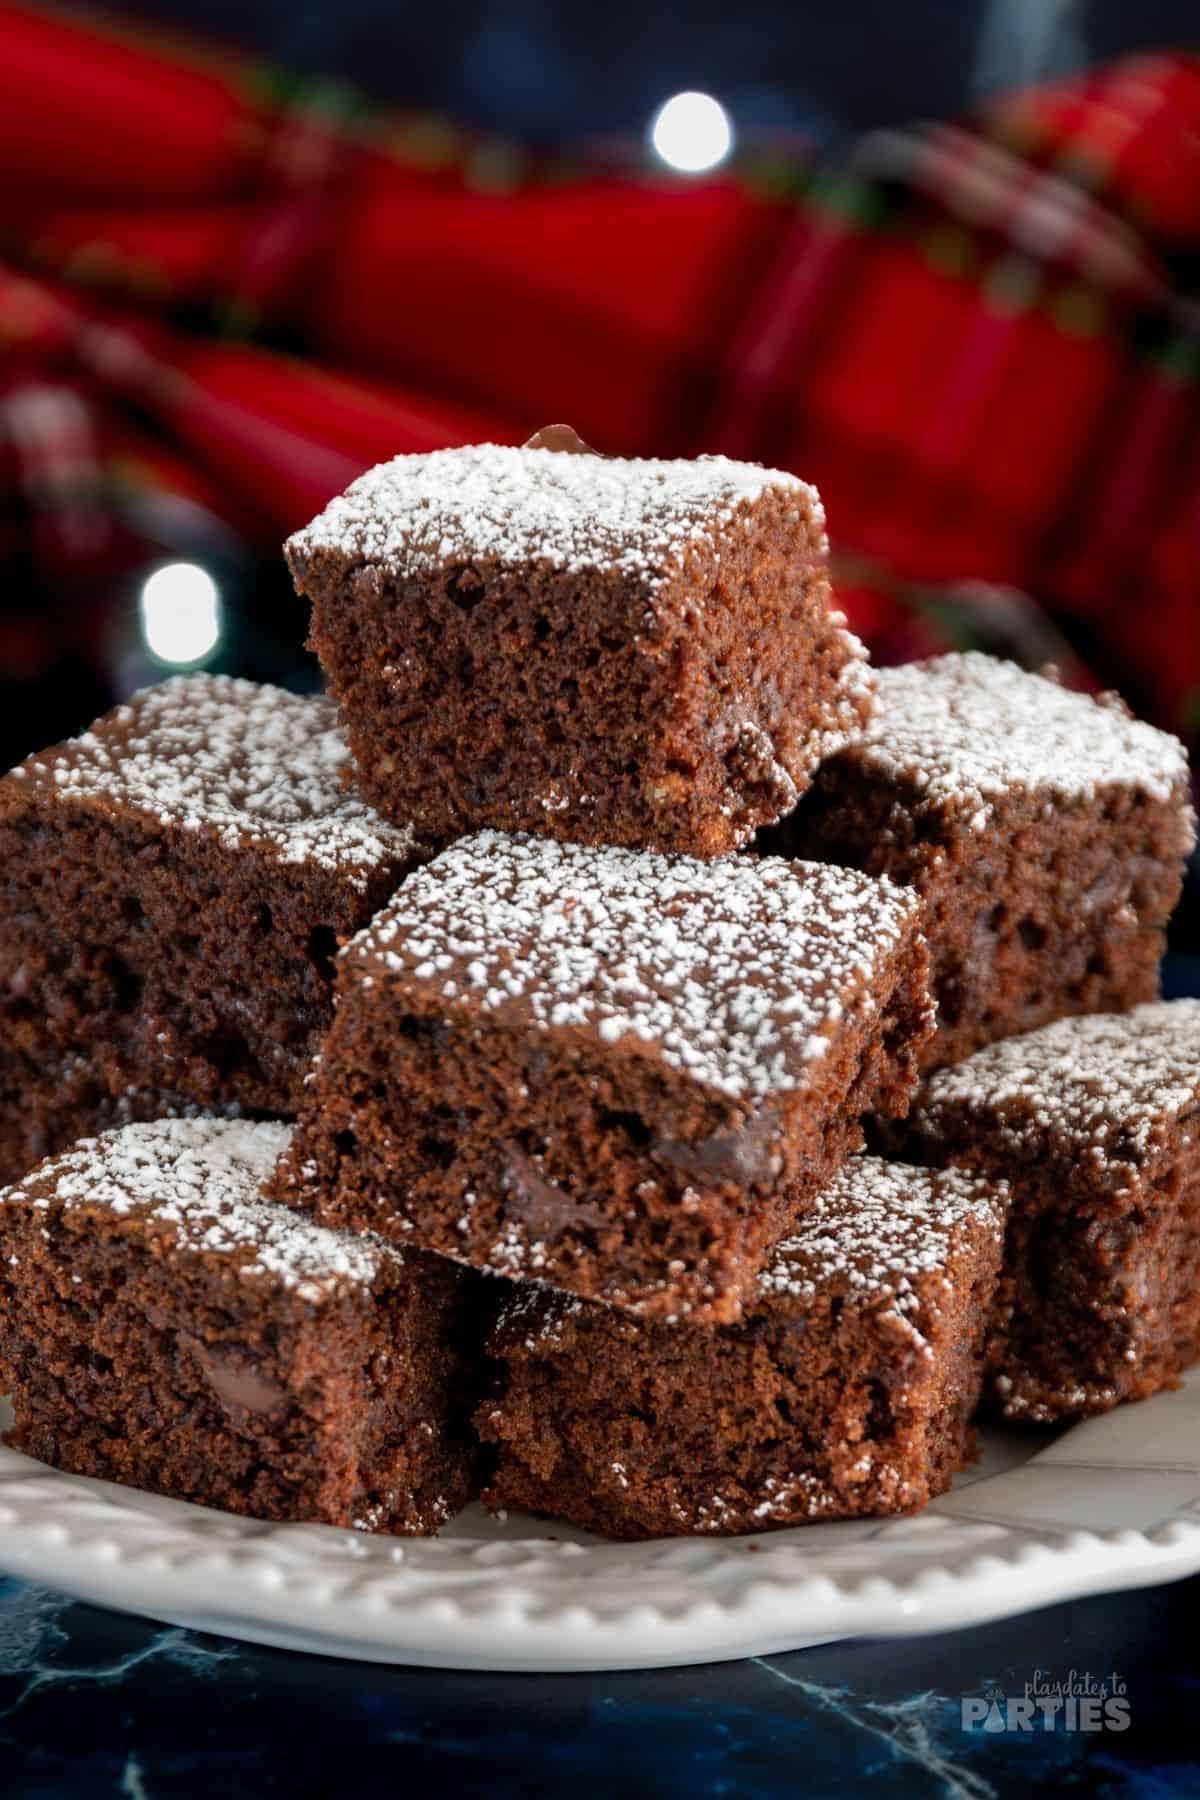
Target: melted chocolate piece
pixel 545 1211
pixel 751 1154
pixel 559 437
pixel 238 1385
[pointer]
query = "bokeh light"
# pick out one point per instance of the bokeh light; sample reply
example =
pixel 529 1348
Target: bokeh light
pixel 181 614
pixel 691 133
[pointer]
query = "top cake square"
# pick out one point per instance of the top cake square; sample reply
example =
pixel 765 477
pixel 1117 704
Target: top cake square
pixel 616 1071
pixel 1045 830
pixel 592 648
pixel 174 885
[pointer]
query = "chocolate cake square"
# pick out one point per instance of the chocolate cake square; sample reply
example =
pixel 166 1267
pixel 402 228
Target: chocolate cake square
pixel 173 887
pixel 163 1326
pixel 590 648
pixel 1045 830
pixel 1095 1123
pixel 615 1071
pixel 846 1390
pixel 47 1103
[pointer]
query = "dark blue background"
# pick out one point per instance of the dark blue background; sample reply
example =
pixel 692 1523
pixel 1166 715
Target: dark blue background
pixel 557 71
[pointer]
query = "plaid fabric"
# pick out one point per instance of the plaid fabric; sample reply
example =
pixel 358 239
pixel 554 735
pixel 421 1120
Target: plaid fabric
pixel 992 370
pixel 981 339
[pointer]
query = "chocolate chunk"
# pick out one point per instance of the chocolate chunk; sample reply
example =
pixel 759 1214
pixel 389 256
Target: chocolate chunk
pixel 750 1153
pixel 544 1210
pixel 559 437
pixel 241 1386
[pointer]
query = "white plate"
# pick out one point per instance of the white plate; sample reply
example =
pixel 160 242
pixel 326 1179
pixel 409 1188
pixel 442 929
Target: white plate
pixel 1108 1504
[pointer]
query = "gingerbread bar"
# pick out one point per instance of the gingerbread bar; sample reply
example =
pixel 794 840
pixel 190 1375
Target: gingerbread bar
pixel 48 1103
pixel 173 888
pixel 1095 1122
pixel 615 1071
pixel 599 650
pixel 846 1390
pixel 1046 832
pixel 163 1326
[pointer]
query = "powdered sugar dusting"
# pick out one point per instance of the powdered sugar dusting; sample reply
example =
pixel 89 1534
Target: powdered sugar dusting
pixel 520 506
pixel 878 1230
pixel 1106 1083
pixel 255 764
pixel 202 1177
pixel 737 971
pixel 966 728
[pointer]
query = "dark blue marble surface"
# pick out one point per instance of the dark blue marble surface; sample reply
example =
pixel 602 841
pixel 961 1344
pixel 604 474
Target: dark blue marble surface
pixel 92 1703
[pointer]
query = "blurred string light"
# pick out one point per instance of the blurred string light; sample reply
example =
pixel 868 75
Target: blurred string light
pixel 181 614
pixel 691 133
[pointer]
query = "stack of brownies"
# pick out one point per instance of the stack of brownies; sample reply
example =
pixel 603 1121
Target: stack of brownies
pixel 461 1084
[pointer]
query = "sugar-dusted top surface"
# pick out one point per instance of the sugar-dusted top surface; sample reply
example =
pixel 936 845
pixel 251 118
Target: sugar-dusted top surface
pixel 736 972
pixel 966 729
pixel 254 764
pixel 529 505
pixel 202 1178
pixel 1104 1084
pixel 878 1229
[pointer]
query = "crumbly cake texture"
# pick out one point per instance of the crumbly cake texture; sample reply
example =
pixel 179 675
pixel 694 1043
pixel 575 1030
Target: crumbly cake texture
pixel 1095 1122
pixel 1045 830
pixel 164 1326
pixel 846 1390
pixel 619 1072
pixel 590 648
pixel 174 885
pixel 47 1103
